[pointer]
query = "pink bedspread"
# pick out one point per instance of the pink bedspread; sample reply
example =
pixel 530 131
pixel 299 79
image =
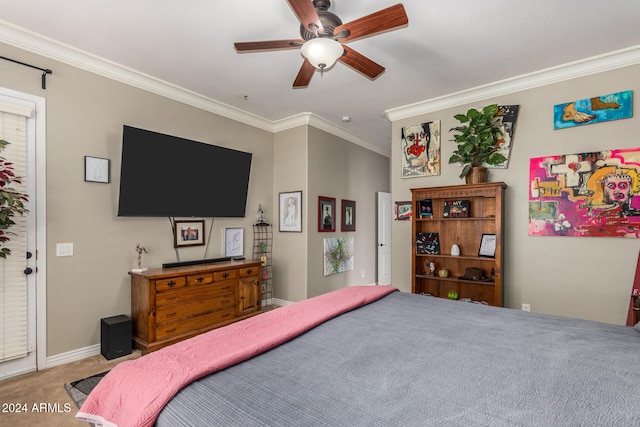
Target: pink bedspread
pixel 135 391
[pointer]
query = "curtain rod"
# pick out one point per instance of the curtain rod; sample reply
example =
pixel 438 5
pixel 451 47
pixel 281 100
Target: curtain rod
pixel 45 71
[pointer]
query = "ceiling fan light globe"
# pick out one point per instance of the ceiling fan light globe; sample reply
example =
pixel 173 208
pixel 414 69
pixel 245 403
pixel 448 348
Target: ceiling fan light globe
pixel 322 52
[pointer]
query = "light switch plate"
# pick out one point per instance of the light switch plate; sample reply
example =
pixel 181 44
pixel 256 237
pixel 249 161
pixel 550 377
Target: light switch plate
pixel 64 249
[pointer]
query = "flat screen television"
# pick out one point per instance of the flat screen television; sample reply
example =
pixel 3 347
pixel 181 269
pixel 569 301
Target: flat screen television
pixel 168 176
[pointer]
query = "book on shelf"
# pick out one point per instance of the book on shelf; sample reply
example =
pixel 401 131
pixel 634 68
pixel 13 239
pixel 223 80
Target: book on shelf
pixel 426 209
pixel 427 243
pixel 456 208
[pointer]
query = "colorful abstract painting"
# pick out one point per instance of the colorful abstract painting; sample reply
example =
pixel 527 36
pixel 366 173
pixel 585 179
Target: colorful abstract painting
pixel 506 116
pixel 338 255
pixel 586 194
pixel 604 108
pixel 421 150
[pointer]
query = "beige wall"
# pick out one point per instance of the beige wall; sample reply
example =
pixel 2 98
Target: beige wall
pixel 581 277
pixel 85 114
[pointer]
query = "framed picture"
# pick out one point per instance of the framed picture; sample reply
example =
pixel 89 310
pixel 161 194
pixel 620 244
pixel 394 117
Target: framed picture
pixel 403 211
pixel 233 242
pixel 96 170
pixel 291 211
pixel 326 214
pixel 488 246
pixel 348 215
pixel 188 233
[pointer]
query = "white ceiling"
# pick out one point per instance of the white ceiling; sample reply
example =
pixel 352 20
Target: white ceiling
pixel 447 47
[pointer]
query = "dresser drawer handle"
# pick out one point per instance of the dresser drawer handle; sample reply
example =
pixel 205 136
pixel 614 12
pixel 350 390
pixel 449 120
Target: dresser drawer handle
pixel 200 279
pixel 171 298
pixel 171 284
pixel 170 330
pixel 249 271
pixel 225 275
pixel 226 287
pixel 225 315
pixel 225 301
pixel 171 314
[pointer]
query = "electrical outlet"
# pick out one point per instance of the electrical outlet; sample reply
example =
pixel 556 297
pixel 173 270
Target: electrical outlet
pixel 363 273
pixel 526 307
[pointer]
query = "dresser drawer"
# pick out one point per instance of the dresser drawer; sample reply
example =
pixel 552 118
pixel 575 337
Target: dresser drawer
pixel 182 311
pixel 224 275
pixel 194 293
pixel 189 325
pixel 200 279
pixel 172 283
pixel 249 271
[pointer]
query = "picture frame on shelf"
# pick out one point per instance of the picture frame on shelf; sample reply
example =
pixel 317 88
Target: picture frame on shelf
pixel 426 208
pixel 326 214
pixel 97 169
pixel 233 242
pixel 427 243
pixel 487 246
pixel 403 211
pixel 290 215
pixel 456 208
pixel 188 233
pixel 348 215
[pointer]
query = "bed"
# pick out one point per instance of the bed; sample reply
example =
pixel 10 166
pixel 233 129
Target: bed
pixel 375 356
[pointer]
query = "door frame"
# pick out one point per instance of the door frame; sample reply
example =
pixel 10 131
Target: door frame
pixel 384 224
pixel 36 140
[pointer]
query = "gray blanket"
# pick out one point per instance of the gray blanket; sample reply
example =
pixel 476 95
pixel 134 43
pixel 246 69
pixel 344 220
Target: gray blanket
pixel 413 360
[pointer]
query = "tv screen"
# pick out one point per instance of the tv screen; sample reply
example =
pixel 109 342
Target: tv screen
pixel 163 175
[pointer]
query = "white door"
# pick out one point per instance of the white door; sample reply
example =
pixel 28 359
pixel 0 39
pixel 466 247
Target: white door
pixel 384 238
pixel 17 271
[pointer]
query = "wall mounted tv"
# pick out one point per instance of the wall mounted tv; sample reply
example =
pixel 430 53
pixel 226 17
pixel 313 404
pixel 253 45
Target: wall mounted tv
pixel 167 176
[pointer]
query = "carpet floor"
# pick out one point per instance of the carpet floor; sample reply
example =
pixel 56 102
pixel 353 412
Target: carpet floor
pixel 41 399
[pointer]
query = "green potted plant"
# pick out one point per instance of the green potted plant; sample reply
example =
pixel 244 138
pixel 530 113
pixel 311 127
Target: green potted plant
pixel 477 138
pixel 11 201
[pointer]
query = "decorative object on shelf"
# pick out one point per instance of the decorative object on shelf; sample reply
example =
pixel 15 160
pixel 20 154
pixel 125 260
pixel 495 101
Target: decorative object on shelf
pixel 188 233
pixel 452 295
pixel 614 106
pixel 472 273
pixel 233 242
pixel 260 215
pixel 291 211
pixel 456 209
pixel 593 194
pixel 443 272
pixel 487 246
pixel 477 139
pixel 140 250
pixel 429 267
pixel 427 243
pixel 96 169
pixel 421 150
pixel 348 215
pixel 338 255
pixel 426 208
pixel 455 250
pixel 403 211
pixel 326 214
pixel 12 201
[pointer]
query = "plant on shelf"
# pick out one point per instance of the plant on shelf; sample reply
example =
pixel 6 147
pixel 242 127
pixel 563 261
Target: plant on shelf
pixel 12 202
pixel 477 138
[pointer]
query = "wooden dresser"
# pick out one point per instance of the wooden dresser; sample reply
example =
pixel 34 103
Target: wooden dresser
pixel 172 304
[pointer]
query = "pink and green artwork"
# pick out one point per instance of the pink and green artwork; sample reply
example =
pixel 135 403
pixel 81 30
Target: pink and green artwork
pixel 586 195
pixel 598 109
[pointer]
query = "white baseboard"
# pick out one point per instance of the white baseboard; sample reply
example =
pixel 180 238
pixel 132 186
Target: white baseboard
pixel 73 356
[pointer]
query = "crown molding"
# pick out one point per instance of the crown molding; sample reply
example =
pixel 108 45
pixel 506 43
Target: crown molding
pixel 36 43
pixel 596 64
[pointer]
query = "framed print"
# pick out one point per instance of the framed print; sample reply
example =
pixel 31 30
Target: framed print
pixel 348 215
pixel 488 246
pixel 233 242
pixel 188 233
pixel 291 211
pixel 96 170
pixel 326 214
pixel 403 211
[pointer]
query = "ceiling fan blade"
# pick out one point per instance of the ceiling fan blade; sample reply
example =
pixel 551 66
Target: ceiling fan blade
pixel 306 13
pixel 361 63
pixel 304 75
pixel 383 20
pixel 268 45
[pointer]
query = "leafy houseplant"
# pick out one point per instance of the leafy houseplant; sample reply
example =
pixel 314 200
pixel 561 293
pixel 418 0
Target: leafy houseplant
pixel 477 139
pixel 11 201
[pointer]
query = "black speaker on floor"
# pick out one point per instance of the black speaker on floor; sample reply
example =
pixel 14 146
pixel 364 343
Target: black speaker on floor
pixel 115 336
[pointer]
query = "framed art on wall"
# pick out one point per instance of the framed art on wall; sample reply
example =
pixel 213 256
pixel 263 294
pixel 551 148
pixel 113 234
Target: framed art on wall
pixel 326 214
pixel 96 169
pixel 291 211
pixel 188 233
pixel 233 241
pixel 348 215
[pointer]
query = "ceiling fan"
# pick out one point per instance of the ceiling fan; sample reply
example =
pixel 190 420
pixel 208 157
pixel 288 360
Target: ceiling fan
pixel 323 35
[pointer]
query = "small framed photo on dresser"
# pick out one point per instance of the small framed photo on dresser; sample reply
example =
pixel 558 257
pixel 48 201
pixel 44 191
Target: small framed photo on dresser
pixel 487 246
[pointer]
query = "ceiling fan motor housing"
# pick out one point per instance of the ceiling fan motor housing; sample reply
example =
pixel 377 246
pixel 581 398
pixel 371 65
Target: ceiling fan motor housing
pixel 328 19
